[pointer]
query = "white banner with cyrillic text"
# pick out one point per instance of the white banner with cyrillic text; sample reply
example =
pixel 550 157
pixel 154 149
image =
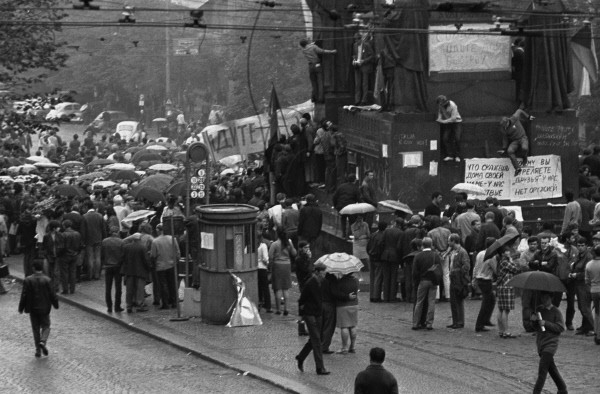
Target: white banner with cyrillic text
pixel 540 178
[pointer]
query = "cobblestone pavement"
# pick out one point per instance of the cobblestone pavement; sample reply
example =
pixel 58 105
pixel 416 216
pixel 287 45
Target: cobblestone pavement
pixel 89 354
pixel 442 360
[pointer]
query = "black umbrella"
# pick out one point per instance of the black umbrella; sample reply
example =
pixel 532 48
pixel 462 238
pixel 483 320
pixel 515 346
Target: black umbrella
pixel 124 175
pixel 145 155
pixel 68 191
pixel 148 193
pixel 508 239
pixel 537 280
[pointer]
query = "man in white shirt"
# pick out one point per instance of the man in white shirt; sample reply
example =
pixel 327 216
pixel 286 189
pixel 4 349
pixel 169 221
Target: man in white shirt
pixel 451 128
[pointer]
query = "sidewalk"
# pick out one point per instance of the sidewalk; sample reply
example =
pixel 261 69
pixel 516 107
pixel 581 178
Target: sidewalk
pixel 422 361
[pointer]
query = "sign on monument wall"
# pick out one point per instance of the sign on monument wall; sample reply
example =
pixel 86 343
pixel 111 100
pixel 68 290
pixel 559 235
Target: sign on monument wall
pixel 456 52
pixel 541 178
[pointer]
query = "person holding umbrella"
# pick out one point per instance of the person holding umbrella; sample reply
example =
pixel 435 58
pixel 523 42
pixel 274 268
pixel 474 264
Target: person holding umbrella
pixel 550 326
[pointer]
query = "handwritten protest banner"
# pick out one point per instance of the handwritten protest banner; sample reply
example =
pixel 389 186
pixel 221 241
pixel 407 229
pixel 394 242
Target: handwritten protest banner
pixel 251 134
pixel 540 178
pixel 456 52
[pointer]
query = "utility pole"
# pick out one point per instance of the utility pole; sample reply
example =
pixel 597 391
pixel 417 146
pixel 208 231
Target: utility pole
pixel 168 59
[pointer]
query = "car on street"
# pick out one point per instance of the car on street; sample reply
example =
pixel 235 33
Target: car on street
pixel 130 130
pixel 107 121
pixel 65 112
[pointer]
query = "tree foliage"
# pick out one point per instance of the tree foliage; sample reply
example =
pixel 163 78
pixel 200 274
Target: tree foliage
pixel 28 51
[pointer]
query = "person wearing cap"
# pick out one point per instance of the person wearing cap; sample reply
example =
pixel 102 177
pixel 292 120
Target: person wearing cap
pixel 164 254
pixel 310 307
pixel 514 138
pixel 312 52
pixel 451 128
pixel 112 260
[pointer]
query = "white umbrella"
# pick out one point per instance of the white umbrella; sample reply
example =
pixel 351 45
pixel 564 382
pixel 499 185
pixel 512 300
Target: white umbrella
pixel 120 166
pixel 6 178
pixel 37 159
pixel 468 188
pixel 26 167
pixel 340 263
pixel 396 206
pixel 159 120
pixel 156 147
pixel 46 165
pixel 227 171
pixel 230 161
pixel 140 173
pixel 103 184
pixel 357 209
pixel 141 214
pixel 162 167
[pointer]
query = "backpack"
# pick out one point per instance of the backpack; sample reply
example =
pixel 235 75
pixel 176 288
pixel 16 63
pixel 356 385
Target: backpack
pixel 435 273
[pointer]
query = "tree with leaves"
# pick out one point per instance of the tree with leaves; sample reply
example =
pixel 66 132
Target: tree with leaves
pixel 28 47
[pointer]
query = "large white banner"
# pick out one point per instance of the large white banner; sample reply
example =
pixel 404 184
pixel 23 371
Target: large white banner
pixel 541 178
pixel 251 134
pixel 456 52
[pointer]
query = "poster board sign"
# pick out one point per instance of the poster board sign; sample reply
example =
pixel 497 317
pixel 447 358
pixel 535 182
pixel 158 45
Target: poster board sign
pixel 251 134
pixel 456 52
pixel 541 178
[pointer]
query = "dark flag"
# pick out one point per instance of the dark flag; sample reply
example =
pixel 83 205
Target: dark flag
pixel 273 124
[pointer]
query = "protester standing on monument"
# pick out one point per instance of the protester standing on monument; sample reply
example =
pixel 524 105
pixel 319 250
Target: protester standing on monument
pixel 450 127
pixel 312 52
pixel 514 138
pixel 363 61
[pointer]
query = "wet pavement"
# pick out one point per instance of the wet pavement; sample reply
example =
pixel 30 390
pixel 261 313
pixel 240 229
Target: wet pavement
pixel 442 360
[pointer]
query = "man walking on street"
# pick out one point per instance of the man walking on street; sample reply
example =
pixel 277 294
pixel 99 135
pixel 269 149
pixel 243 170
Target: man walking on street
pixel 37 298
pixel 310 307
pixel 164 255
pixel 112 260
pixel 375 379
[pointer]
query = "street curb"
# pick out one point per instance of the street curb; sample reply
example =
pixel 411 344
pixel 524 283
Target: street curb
pixel 245 369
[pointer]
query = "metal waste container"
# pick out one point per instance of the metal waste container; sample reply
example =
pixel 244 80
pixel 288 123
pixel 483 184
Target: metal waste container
pixel 228 243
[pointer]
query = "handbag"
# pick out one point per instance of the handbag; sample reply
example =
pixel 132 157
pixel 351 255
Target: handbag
pixel 4 272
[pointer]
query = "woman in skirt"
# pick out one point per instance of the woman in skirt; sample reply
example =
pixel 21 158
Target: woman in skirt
pixel 281 254
pixel 345 293
pixel 507 268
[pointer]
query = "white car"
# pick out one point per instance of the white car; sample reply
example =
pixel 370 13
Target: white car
pixel 66 112
pixel 130 130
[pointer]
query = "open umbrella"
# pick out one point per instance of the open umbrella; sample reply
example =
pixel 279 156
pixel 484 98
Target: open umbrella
pixel 137 215
pixel 180 156
pixel 120 167
pixel 133 149
pixel 90 176
pixel 147 193
pixel 37 159
pixel 124 175
pixel 46 165
pixel 162 167
pixel 468 188
pixel 157 181
pixel 537 280
pixel 72 163
pixel 68 191
pixel 396 206
pixel 12 161
pixel 507 239
pixel 159 120
pixel 157 147
pixel 6 178
pixel 145 155
pixel 357 209
pixel 101 162
pixel 177 189
pixel 103 184
pixel 340 263
pixel 26 168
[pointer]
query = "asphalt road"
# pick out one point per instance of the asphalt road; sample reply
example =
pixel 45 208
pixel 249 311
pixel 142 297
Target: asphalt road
pixel 91 355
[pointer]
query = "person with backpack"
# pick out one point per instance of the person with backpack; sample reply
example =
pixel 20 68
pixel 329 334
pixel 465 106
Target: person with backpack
pixel 427 272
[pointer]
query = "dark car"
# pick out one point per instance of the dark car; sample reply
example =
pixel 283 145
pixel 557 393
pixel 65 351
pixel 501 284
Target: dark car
pixel 107 122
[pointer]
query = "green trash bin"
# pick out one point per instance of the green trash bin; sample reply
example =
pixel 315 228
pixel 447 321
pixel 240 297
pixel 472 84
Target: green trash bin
pixel 228 244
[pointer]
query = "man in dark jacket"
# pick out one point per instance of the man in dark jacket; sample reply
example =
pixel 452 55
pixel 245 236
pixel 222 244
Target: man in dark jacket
pixel 427 284
pixel 112 260
pixel 93 231
pixel 310 221
pixel 37 298
pixel 310 306
pixel 136 269
pixel 375 249
pixel 347 193
pixel 390 258
pixel 26 231
pixel 68 264
pixel 53 247
pixel 488 229
pixel 375 379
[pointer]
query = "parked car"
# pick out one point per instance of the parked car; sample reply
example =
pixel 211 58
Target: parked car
pixel 65 112
pixel 107 121
pixel 130 130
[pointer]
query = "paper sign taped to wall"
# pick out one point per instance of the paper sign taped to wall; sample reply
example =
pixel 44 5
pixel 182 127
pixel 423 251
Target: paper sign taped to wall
pixel 207 240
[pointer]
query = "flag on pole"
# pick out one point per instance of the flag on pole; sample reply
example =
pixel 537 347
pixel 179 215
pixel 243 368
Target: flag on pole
pixel 584 51
pixel 273 108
